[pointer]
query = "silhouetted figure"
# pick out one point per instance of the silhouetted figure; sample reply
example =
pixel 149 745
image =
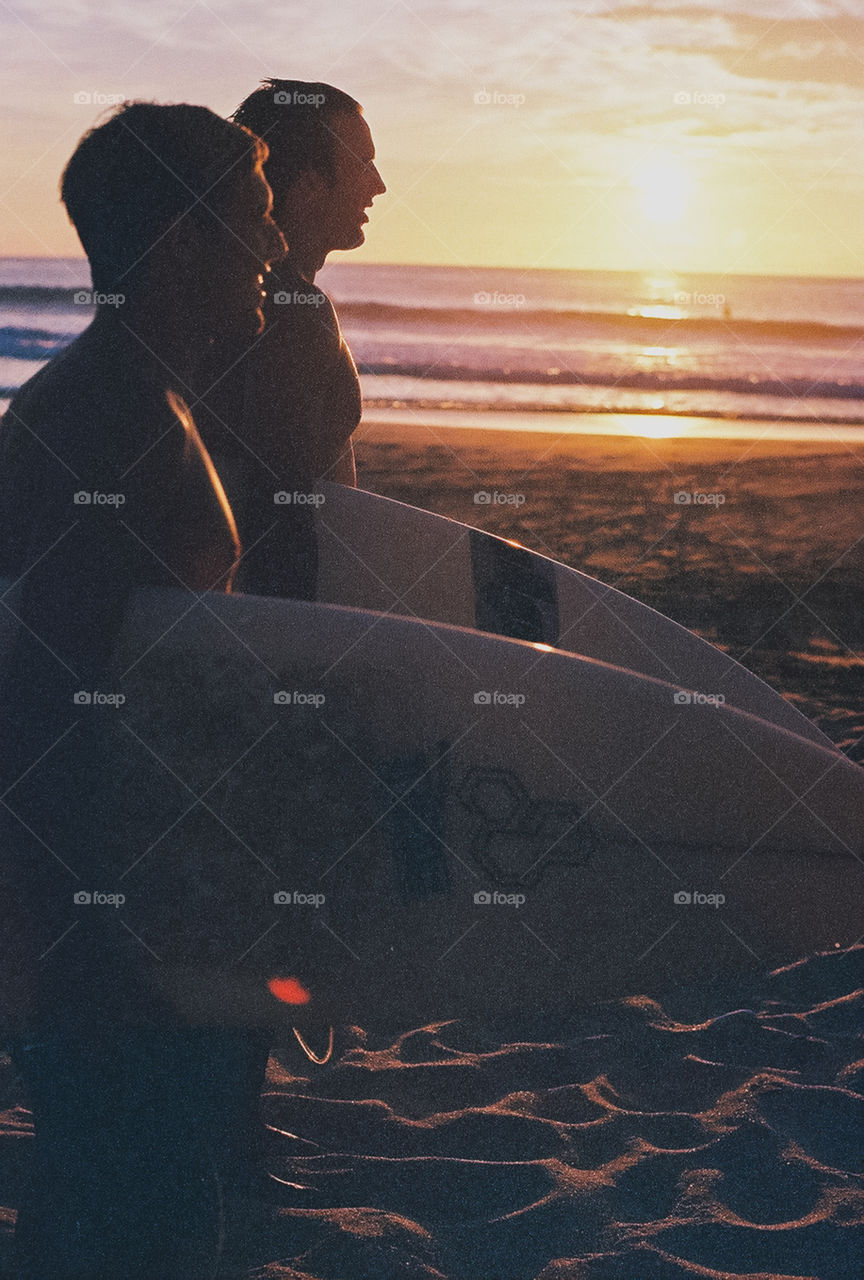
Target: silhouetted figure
pixel 140 1122
pixel 280 415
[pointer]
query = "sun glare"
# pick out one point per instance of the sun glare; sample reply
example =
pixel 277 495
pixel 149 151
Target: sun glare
pixel 663 186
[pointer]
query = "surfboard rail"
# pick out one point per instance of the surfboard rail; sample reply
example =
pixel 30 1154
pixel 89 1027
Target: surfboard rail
pixel 378 553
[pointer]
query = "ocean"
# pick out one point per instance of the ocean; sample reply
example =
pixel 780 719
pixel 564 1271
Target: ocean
pixel 504 347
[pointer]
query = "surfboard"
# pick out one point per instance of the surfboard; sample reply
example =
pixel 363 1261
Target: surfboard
pixel 344 812
pixel 376 553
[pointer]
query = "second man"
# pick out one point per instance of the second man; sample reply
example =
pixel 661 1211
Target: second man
pixel 278 414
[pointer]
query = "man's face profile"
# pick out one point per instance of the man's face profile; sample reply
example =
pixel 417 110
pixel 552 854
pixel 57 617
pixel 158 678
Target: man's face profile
pixel 354 184
pixel 249 241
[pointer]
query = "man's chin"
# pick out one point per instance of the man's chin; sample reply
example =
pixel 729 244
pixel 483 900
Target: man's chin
pixel 352 240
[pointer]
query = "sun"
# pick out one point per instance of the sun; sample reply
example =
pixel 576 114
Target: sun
pixel 663 185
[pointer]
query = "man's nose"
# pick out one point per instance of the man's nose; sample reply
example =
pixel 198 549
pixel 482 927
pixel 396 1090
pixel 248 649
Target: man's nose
pixel 379 187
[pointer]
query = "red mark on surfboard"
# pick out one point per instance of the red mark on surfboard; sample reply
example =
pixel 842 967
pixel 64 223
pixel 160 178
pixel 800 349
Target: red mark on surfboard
pixel 288 990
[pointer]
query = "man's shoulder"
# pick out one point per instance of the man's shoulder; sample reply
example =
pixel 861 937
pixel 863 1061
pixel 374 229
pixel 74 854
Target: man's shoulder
pixel 40 417
pixel 82 409
pixel 26 401
pixel 296 307
pixel 80 380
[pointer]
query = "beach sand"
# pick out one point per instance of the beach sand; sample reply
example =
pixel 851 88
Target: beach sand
pixel 716 1135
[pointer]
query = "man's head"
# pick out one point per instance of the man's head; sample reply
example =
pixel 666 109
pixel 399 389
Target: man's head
pixel 321 163
pixel 175 197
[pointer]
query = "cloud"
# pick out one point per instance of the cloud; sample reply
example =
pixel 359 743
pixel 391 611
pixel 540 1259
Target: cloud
pixel 826 49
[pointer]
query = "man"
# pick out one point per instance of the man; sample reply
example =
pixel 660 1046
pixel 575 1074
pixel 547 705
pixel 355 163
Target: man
pixel 132 1110
pixel 282 412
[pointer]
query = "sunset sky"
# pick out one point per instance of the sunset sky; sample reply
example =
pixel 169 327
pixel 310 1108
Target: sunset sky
pixel 676 136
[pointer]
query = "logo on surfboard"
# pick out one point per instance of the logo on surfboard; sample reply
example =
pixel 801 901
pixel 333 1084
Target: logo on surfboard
pixel 515 836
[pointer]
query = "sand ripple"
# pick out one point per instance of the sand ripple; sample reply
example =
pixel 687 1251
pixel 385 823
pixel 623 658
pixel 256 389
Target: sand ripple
pixel 644 1140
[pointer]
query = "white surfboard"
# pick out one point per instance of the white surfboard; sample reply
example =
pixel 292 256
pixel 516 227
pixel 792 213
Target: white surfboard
pixel 413 820
pixel 375 553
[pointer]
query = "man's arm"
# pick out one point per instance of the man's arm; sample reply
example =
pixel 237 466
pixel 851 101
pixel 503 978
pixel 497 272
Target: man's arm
pixel 344 469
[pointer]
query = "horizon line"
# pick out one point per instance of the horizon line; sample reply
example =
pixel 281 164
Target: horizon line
pixel 484 266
